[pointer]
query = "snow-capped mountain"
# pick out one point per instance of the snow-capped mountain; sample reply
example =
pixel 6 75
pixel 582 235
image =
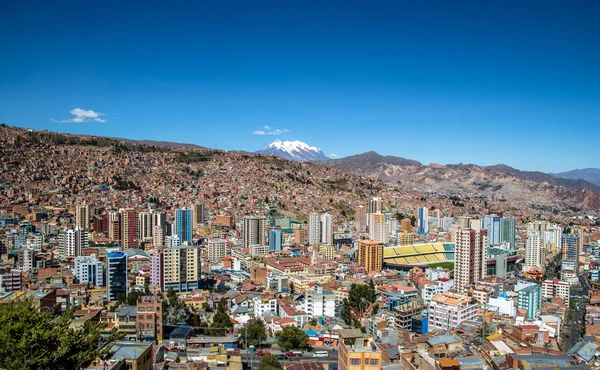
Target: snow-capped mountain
pixel 294 150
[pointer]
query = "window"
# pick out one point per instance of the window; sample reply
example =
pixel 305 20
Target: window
pixel 150 308
pixel 374 361
pixel 141 308
pixel 355 362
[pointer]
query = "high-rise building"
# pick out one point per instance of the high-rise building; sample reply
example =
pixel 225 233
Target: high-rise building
pixel 492 224
pixel 361 218
pixel 73 242
pixel 129 228
pixel 553 238
pixel 116 275
pixel 160 219
pixel 406 239
pixel 326 228
pixel 158 238
pixel 570 252
pixel 376 206
pixel 358 351
pixel 470 264
pixel 145 223
pixel 89 270
pixel 113 223
pixel 314 229
pixel 530 299
pixel 198 214
pixel 377 228
pixel 446 224
pixel 182 268
pixel 422 220
pixel 535 255
pixel 463 222
pixel 449 310
pixel 275 240
pixel 406 225
pixel 26 258
pixel 82 216
pixel 184 225
pixel 217 249
pixel 370 255
pixel 172 241
pixel 254 231
pixel 157 271
pixel 539 226
pixel 507 231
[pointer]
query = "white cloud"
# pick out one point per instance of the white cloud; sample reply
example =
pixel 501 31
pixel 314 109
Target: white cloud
pixel 82 115
pixel 268 131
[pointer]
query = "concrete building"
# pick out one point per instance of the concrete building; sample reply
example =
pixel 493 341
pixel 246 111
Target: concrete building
pixel 264 305
pixel 326 228
pixel 158 237
pixel 198 213
pixel 182 268
pixel 370 255
pixel 530 299
pixel 116 275
pixel 448 310
pixel 74 241
pixel 358 351
pixel 507 231
pixel 82 216
pixel 436 287
pixel 217 249
pixel 254 231
pixel 89 270
pixel 145 225
pixel 26 258
pixel 535 252
pixel 319 303
pixel 361 219
pixel 10 280
pixel 378 230
pixel 149 320
pixel 556 288
pixel 314 229
pixel 129 228
pixel 157 271
pixel 471 257
pixel 570 252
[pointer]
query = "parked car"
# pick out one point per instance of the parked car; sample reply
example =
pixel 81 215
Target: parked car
pixel 281 356
pixel 261 353
pixel 321 354
pixel 294 353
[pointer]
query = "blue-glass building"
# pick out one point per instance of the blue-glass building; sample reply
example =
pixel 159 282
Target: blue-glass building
pixel 184 225
pixel 116 280
pixel 275 239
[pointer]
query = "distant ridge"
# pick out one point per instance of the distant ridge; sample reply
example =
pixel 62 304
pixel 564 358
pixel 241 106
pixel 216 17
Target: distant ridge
pixel 369 160
pixel 588 174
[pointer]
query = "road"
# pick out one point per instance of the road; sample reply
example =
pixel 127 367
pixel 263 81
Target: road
pixel 255 360
pixel 574 327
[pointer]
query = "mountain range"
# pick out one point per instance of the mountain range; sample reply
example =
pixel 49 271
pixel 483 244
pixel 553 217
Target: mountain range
pixel 589 174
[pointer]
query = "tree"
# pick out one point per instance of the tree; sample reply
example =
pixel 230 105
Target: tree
pixel 292 337
pixel 270 362
pixel 254 333
pixel 359 304
pixel 221 324
pixel 292 287
pixel 38 340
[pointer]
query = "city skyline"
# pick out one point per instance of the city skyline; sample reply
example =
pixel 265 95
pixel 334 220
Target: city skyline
pixel 419 81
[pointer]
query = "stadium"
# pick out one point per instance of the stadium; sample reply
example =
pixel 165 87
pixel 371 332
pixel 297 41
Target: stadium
pixel 421 255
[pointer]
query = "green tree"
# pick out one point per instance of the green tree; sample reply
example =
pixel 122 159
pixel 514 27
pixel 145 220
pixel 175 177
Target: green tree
pixel 292 287
pixel 38 340
pixel 270 362
pixel 292 337
pixel 254 333
pixel 221 324
pixel 359 304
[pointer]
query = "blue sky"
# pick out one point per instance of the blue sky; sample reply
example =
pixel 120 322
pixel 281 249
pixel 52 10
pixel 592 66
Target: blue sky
pixel 514 82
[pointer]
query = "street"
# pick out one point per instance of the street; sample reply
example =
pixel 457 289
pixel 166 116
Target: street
pixel 574 326
pixel 254 360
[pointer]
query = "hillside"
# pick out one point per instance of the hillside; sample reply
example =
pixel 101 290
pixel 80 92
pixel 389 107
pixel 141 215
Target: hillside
pixel 497 183
pixel 588 174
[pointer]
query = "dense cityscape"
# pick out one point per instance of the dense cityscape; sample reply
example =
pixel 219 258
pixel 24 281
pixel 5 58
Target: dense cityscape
pixel 122 255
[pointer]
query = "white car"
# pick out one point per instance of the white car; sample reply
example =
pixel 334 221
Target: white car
pixel 321 354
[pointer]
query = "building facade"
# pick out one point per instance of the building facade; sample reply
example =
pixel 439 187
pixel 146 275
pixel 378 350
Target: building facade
pixel 470 264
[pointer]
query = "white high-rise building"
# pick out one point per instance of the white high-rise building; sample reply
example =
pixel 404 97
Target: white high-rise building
pixel 74 241
pixel 172 241
pixel 534 251
pixel 326 228
pixel 378 230
pixel 255 231
pixel 471 257
pixel 26 259
pixel 553 237
pixel 314 229
pixel 217 249
pixel 145 223
pixel 89 270
pixel 375 206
